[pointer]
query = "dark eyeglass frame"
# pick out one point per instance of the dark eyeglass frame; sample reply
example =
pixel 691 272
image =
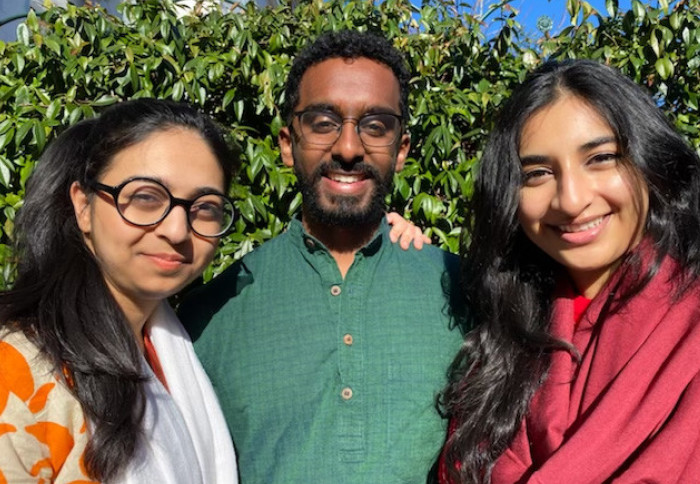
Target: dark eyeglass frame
pixel 345 119
pixel 115 190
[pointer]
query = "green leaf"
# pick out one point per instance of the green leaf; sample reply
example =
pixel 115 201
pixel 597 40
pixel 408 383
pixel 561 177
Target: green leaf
pixel 23 34
pixel 75 115
pixel 5 171
pixel 238 109
pixel 22 131
pixel 654 44
pixel 105 100
pixel 6 138
pixel 52 44
pixel 664 67
pixel 39 134
pixel 178 90
pixel 611 7
pixel 228 97
pixel 5 95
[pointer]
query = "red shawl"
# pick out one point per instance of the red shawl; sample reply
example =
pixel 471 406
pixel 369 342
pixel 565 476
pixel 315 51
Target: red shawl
pixel 630 412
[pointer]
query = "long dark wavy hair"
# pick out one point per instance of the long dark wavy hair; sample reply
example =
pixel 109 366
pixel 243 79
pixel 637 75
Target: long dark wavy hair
pixel 60 300
pixel 509 282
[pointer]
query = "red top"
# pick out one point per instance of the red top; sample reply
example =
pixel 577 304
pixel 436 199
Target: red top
pixel 152 359
pixel 581 303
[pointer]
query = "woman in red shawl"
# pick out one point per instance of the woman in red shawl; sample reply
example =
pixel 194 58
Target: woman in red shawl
pixel 582 274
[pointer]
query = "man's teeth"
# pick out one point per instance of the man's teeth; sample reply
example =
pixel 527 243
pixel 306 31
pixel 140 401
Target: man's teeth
pixel 345 178
pixel 581 227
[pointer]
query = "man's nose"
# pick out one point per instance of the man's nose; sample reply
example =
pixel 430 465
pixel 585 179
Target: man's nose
pixel 348 148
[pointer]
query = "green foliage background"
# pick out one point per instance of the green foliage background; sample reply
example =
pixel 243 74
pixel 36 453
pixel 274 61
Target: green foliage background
pixel 68 64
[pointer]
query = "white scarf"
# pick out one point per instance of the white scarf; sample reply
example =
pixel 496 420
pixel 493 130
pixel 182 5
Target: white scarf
pixel 186 440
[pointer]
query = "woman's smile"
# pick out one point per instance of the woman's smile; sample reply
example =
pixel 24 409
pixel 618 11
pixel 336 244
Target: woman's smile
pixel 578 202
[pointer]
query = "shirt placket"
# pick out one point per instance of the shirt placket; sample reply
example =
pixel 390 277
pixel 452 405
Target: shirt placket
pixel 346 300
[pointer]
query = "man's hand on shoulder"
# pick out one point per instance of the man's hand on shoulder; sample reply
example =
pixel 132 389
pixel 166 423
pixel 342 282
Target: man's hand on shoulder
pixel 404 232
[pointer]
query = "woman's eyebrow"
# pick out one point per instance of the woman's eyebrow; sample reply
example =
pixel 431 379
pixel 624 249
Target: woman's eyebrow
pixel 589 145
pixel 195 192
pixel 202 190
pixel 533 160
pixel 594 143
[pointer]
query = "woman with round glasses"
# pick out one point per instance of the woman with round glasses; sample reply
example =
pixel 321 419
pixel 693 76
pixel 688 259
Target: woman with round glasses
pixel 99 381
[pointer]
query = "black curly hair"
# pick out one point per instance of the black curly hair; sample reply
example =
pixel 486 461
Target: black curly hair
pixel 348 44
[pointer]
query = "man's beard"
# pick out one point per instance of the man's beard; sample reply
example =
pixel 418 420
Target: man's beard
pixel 345 210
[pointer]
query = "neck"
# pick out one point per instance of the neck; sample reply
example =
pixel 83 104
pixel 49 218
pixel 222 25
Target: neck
pixel 342 241
pixel 590 283
pixel 137 313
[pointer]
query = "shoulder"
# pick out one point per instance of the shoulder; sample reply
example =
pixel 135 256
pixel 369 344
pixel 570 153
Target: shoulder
pixel 434 271
pixel 21 360
pixel 202 303
pixel 428 258
pixel 43 427
pixel 32 379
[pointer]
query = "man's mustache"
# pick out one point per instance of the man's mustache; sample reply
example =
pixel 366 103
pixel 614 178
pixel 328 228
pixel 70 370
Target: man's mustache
pixel 361 168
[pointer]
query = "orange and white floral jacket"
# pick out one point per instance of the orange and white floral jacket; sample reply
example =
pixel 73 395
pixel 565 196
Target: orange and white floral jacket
pixel 43 431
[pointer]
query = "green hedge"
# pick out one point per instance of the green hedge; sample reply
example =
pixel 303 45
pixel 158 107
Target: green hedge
pixel 68 64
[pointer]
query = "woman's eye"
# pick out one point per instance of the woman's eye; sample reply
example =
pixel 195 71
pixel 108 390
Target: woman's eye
pixel 604 158
pixel 534 176
pixel 146 198
pixel 207 211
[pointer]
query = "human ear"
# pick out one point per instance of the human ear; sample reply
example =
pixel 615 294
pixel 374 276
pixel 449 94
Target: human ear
pixel 81 207
pixel 286 146
pixel 402 151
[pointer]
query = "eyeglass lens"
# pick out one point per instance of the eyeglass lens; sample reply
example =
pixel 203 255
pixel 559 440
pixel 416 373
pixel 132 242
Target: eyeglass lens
pixel 143 202
pixel 323 128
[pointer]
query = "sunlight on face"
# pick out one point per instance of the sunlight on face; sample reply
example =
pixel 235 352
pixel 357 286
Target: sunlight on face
pixel 143 265
pixel 577 202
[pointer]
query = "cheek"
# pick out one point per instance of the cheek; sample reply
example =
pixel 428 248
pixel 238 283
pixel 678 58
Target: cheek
pixel 622 194
pixel 204 252
pixel 113 241
pixel 529 209
pixel 618 187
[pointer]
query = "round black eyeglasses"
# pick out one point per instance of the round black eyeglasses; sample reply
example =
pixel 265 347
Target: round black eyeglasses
pixel 143 201
pixel 320 127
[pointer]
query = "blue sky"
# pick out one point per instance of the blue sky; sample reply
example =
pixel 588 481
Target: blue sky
pixel 531 10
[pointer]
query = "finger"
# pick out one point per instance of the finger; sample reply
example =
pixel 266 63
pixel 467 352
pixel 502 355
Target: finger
pixel 406 239
pixel 398 225
pixel 418 239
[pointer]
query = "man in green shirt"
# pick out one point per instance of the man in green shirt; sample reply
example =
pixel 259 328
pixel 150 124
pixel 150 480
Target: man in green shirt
pixel 328 344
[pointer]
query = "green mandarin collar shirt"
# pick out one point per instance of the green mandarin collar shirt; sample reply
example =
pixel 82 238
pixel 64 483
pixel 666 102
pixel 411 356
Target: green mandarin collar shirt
pixel 324 379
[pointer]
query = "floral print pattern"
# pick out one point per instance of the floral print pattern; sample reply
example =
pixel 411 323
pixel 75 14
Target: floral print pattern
pixel 43 432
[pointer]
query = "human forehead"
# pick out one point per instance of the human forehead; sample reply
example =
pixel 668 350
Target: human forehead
pixel 568 123
pixel 352 86
pixel 177 156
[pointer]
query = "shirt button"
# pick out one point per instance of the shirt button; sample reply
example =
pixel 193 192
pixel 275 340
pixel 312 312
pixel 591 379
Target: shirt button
pixel 346 393
pixel 347 339
pixel 310 243
pixel 335 290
